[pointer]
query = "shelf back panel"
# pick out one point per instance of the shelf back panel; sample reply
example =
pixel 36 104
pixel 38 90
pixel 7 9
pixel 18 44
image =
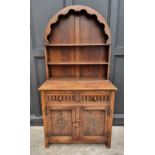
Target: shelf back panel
pixel 69 71
pixel 94 71
pixel 59 55
pixel 94 54
pixel 85 54
pixel 59 71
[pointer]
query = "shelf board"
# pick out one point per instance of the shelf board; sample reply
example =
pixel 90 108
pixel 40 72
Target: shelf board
pixel 78 63
pixel 79 79
pixel 77 84
pixel 68 45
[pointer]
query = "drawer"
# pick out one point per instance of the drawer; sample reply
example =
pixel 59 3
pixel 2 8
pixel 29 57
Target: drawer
pixel 60 97
pixel 88 97
pixel 95 97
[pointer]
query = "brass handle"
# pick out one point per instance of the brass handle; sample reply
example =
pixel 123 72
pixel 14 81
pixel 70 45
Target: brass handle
pixel 75 125
pixel 80 122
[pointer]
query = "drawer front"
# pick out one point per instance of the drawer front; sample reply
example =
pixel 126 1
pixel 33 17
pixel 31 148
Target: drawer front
pixel 95 97
pixel 88 97
pixel 60 97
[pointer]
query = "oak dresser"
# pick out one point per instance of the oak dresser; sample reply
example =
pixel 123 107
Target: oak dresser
pixel 77 97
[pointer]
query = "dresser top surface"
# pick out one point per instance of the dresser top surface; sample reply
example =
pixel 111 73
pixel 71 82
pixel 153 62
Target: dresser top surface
pixel 77 84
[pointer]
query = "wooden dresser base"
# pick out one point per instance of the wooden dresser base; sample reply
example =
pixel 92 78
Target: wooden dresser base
pixel 77 116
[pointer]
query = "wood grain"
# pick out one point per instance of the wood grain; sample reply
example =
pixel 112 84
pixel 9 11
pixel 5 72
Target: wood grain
pixel 73 84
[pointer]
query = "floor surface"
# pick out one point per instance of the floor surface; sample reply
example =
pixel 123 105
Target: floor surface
pixel 37 145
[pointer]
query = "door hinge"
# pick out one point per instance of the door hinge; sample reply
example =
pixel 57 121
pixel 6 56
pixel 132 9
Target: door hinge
pixel 109 111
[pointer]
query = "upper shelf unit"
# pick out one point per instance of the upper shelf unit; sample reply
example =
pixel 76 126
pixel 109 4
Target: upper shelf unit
pixel 77 41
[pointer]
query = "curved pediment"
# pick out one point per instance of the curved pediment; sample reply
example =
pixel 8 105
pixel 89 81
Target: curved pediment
pixel 66 22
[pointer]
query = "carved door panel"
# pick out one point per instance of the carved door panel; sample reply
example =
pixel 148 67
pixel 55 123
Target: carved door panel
pixel 61 124
pixel 94 124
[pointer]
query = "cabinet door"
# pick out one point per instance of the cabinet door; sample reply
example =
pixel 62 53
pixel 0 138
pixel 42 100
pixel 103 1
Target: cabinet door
pixel 94 125
pixel 60 124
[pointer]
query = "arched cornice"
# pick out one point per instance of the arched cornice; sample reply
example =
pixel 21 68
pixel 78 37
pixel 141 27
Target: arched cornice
pixel 78 8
